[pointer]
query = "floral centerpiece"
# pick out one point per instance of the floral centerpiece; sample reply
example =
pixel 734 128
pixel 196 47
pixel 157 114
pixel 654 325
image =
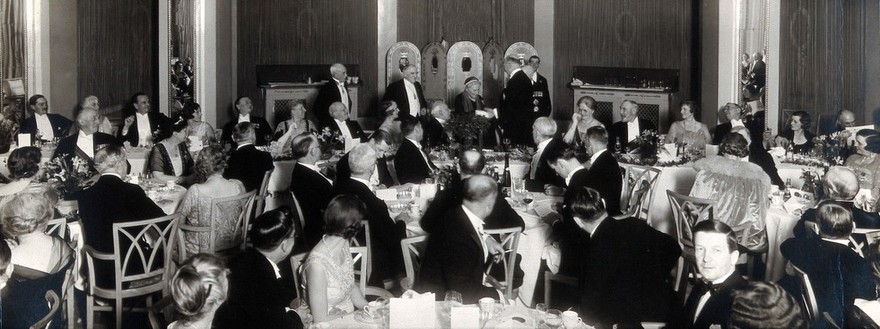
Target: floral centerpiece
pixel 644 149
pixel 467 129
pixel 68 175
pixel 331 141
pixel 813 181
pixel 831 147
pixel 8 127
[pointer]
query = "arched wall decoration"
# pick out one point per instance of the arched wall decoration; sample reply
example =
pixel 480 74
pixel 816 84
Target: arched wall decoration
pixel 399 55
pixel 434 71
pixel 493 74
pixel 521 51
pixel 464 60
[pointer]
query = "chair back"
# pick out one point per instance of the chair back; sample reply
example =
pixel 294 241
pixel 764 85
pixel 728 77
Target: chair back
pixel 412 250
pixel 687 211
pixel 509 238
pixel 46 293
pixel 637 192
pixel 54 305
pixel 296 262
pixel 301 222
pixel 227 220
pixel 262 193
pixel 392 170
pixel 808 296
pixel 361 260
pixel 58 227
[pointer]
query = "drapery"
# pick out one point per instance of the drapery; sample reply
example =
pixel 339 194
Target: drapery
pixel 12 36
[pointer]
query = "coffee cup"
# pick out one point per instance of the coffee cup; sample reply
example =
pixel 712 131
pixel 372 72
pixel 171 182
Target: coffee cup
pixel 487 304
pixel 372 309
pixel 571 320
pixel 170 184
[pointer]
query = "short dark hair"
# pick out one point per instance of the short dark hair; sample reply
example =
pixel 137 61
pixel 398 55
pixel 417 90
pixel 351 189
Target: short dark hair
pixel 379 136
pixel 695 108
pixel 343 212
pixel 734 144
pixel 806 121
pixel 385 106
pixel 242 130
pixel 470 165
pixel 556 153
pixel 302 144
pixel 134 98
pixel 178 124
pixel 238 100
pixel 534 57
pixel 764 305
pixel 24 162
pixel 598 133
pixel 716 226
pixel 408 125
pixel 33 100
pixel 834 220
pixel 271 228
pixel 584 203
pixel 189 110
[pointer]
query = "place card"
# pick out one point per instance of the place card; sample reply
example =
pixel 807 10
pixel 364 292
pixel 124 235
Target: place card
pixel 388 194
pixel 412 312
pixel 24 140
pixel 464 317
pixel 427 191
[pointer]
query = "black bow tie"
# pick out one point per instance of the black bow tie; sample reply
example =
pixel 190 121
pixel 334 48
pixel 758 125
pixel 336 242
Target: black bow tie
pixel 709 287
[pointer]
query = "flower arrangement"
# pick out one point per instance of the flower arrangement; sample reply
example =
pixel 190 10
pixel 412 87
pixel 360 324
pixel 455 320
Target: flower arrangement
pixel 68 177
pixel 831 147
pixel 466 129
pixel 647 145
pixel 446 176
pixel 813 181
pixel 331 141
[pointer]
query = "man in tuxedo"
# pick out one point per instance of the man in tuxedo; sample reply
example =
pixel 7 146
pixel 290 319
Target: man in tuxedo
pixel 48 125
pixel 517 110
pixel 138 128
pixel 85 143
pixel 630 127
pixel 411 162
pixel 757 74
pixel 262 130
pixel 715 249
pixel 331 92
pixel 470 163
pixel 111 200
pixel 350 130
pixel 455 257
pixel 310 187
pixel 845 118
pixel 381 176
pixel 435 131
pixel 625 266
pixel 407 93
pixel 734 116
pixel 541 91
pixel 542 178
pixel 841 185
pixel 386 233
pixel 260 285
pixel 247 163
pixel 838 273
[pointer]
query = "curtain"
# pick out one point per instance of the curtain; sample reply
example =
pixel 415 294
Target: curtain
pixel 13 39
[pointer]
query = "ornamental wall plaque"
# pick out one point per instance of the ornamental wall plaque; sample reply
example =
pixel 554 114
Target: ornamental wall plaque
pixel 434 71
pixel 399 56
pixel 464 60
pixel 493 74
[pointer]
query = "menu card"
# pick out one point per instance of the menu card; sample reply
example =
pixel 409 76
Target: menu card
pixel 412 310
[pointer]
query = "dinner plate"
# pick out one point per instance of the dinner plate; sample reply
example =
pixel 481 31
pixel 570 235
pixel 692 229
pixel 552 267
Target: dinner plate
pixel 362 317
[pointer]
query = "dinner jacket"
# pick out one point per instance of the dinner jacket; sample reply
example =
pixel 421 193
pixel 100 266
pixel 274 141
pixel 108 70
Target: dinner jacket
pixel 837 273
pixel 717 307
pixel 453 260
pixel 353 127
pixel 720 131
pixel 545 174
pixel 396 92
pixel 626 270
pixel 861 219
pixel 256 298
pixel 67 148
pixel 544 104
pixel 516 113
pixel 604 176
pixel 60 125
pixel 433 220
pixel 108 201
pixel 410 164
pixel 620 131
pixel 327 95
pixel 157 122
pixel 386 255
pixel 248 165
pixel 262 130
pixel 312 190
pixel 759 156
pixel 343 170
pixel 435 133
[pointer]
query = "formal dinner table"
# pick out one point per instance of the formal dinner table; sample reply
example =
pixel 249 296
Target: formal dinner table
pixel 137 157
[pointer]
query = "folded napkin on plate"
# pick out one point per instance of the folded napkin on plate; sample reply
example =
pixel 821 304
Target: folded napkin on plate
pixel 777 151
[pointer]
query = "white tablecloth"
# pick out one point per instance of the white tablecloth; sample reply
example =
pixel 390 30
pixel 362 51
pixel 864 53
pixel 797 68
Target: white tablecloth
pixel 137 157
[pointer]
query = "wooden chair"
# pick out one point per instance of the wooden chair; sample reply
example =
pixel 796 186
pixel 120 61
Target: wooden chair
pixel 368 240
pixel 509 238
pixel 54 305
pixel 143 247
pixel 549 277
pixel 392 170
pixel 296 262
pixel 262 194
pixel 638 191
pixel 687 211
pixel 301 222
pixel 155 312
pixel 808 296
pixel 58 227
pixel 361 257
pixel 412 250
pixel 56 299
pixel 222 211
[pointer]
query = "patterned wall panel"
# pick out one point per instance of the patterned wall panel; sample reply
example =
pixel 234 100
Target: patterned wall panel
pixel 434 71
pixel 399 56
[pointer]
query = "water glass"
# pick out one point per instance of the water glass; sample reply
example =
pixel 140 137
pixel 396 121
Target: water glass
pixel 453 297
pixel 553 318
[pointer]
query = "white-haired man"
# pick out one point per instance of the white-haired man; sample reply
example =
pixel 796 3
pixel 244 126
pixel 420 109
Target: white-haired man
pixel 542 178
pixel 407 93
pixel 349 129
pixel 85 143
pixel 435 133
pixel 331 92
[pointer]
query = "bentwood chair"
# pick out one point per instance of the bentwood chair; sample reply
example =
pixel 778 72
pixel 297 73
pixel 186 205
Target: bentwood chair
pixel 58 227
pixel 509 238
pixel 262 194
pixel 687 212
pixel 54 305
pixel 808 295
pixel 296 263
pixel 141 262
pixel 412 250
pixel 361 258
pixel 392 170
pixel 637 193
pixel 227 221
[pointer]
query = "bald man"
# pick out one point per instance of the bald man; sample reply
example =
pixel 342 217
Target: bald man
pixel 85 143
pixel 331 92
pixel 845 118
pixel 842 185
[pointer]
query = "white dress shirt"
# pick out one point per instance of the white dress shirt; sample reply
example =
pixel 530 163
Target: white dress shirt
pixel 736 123
pixel 274 267
pixel 705 297
pixel 632 130
pixel 571 174
pixel 315 169
pixel 343 93
pixel 346 133
pixel 477 222
pixel 143 128
pixel 86 143
pixel 244 118
pixel 537 158
pixel 44 126
pixel 412 97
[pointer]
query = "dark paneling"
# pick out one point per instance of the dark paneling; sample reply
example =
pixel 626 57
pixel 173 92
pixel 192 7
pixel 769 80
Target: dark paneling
pixel 509 21
pixel 823 56
pixel 621 33
pixel 118 49
pixel 306 32
pixel 708 89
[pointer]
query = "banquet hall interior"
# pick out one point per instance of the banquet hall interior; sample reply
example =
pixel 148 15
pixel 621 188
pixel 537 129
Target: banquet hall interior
pixel 634 150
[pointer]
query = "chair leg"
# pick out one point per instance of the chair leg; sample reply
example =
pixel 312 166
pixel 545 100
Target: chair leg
pixel 90 312
pixel 71 317
pixel 118 312
pixel 547 283
pixel 679 272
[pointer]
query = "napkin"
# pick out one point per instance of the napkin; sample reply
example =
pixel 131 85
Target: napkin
pixel 24 140
pixel 465 317
pixel 870 307
pixel 777 151
pixel 388 194
pixel 796 205
pixel 410 310
pixel 427 191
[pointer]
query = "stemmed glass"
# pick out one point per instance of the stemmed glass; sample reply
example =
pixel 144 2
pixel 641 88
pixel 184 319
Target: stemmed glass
pixel 453 298
pixel 506 142
pixel 540 309
pixel 528 197
pixel 553 318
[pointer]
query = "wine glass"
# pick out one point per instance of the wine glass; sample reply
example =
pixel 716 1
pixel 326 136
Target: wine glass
pixel 540 309
pixel 453 297
pixel 553 318
pixel 506 142
pixel 528 197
